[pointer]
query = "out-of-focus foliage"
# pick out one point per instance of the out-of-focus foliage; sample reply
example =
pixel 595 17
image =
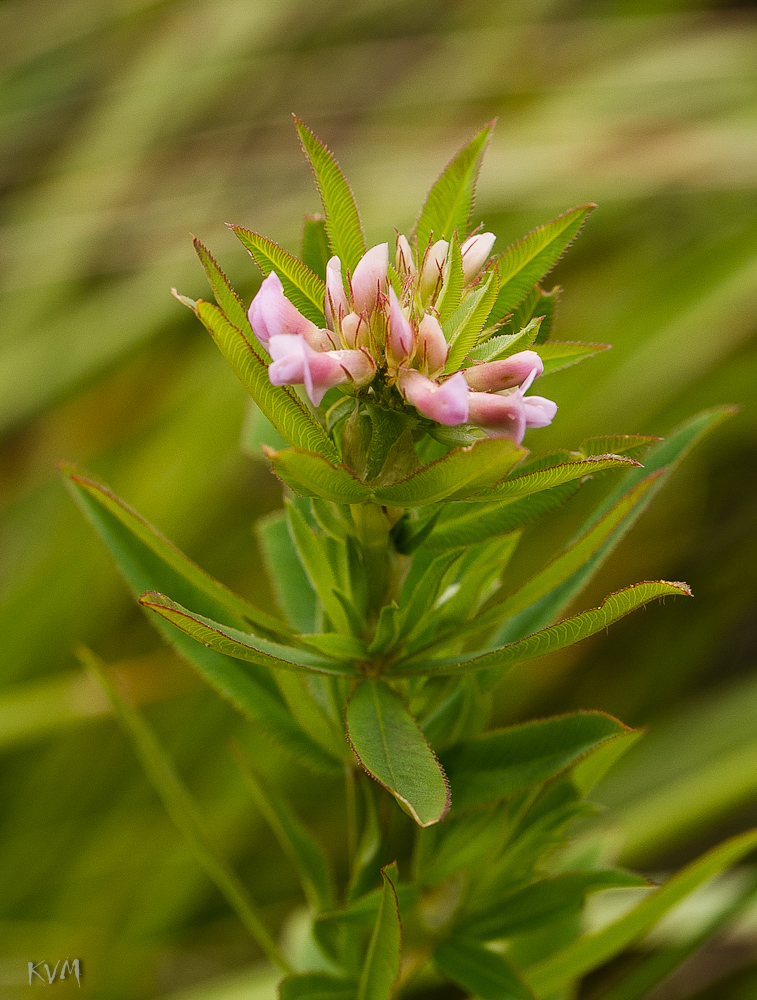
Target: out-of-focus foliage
pixel 127 126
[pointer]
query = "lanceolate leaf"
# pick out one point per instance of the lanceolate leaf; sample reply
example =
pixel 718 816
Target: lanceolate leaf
pixel 294 838
pixel 565 633
pixel 382 963
pixel 315 245
pixel 279 403
pixel 483 973
pixel 528 260
pixel 559 354
pixel 291 587
pixel 449 203
pixel 310 475
pixel 225 295
pixel 478 304
pixel 391 747
pixel 497 348
pixel 506 761
pixel 342 219
pixel 567 966
pixel 452 287
pixel 304 289
pixel 240 645
pixel 167 562
pixel 462 472
pixel 466 524
pixel 545 479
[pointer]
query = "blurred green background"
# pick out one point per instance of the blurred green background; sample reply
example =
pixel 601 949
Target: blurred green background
pixel 126 127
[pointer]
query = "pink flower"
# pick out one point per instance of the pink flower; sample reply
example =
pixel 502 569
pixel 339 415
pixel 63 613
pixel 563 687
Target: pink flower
pixel 445 402
pixel 296 363
pixel 369 278
pixel 272 314
pixel 509 415
pixel 335 305
pixel 433 268
pixel 475 251
pixel 432 347
pixel 400 341
pixel 505 374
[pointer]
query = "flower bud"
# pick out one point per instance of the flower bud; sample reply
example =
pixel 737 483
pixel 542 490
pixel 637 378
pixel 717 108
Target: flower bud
pixel 271 314
pixel 475 252
pixel 404 256
pixel 351 331
pixel 296 363
pixel 432 348
pixel 369 278
pixel 433 269
pixel 400 340
pixel 335 305
pixel 445 402
pixel 493 376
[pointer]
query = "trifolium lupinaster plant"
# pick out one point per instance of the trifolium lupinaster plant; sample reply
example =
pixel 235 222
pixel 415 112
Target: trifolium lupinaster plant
pixel 397 391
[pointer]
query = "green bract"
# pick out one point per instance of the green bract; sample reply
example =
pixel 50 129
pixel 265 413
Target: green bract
pixel 394 617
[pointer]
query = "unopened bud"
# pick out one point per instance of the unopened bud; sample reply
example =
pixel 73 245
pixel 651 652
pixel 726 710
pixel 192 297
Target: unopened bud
pixel 404 256
pixel 400 341
pixel 369 278
pixel 432 348
pixel 445 402
pixel 475 252
pixel 492 376
pixel 433 269
pixel 335 305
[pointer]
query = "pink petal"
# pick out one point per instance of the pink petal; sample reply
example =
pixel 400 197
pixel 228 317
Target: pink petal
pixel 433 268
pixel 540 412
pixel 335 305
pixel 475 251
pixel 369 278
pixel 296 363
pixel 500 416
pixel 446 402
pixel 400 341
pixel 272 314
pixel 432 347
pixel 505 374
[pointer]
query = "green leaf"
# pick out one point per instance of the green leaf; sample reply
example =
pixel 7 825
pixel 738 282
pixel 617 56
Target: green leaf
pixel 528 260
pixel 342 218
pixel 545 479
pixel 618 444
pixel 589 771
pixel 467 524
pixel 543 901
pixel 145 566
pixel 164 561
pixel 565 633
pixel 225 295
pixel 449 204
pixel 506 761
pixel 240 645
pixel 315 245
pixel 559 354
pixel 497 348
pixel 382 963
pixel 419 596
pixel 293 590
pixel 476 306
pixel 314 556
pixel 392 748
pixel 485 974
pixel 280 404
pixel 452 282
pixel 311 702
pixel 305 290
pixel 310 475
pixel 387 631
pixel 589 952
pixel 363 911
pixel 536 304
pixel 182 810
pixel 458 474
pixel 317 986
pixel 293 837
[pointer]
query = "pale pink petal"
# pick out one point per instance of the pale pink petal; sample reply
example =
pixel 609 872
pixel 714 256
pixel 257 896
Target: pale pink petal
pixel 404 256
pixel 540 412
pixel 369 278
pixel 296 363
pixel 446 402
pixel 400 340
pixel 500 416
pixel 504 374
pixel 432 347
pixel 475 252
pixel 272 314
pixel 351 331
pixel 433 268
pixel 335 304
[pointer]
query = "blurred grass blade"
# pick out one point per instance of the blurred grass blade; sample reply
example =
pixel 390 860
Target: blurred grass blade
pixel 182 810
pixel 482 973
pixel 449 204
pixel 565 633
pixel 342 218
pixel 240 645
pixel 587 953
pixel 382 963
pixel 293 590
pixel 304 289
pixel 294 838
pixel 317 986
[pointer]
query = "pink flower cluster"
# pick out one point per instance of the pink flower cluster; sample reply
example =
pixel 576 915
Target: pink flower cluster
pixel 374 333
